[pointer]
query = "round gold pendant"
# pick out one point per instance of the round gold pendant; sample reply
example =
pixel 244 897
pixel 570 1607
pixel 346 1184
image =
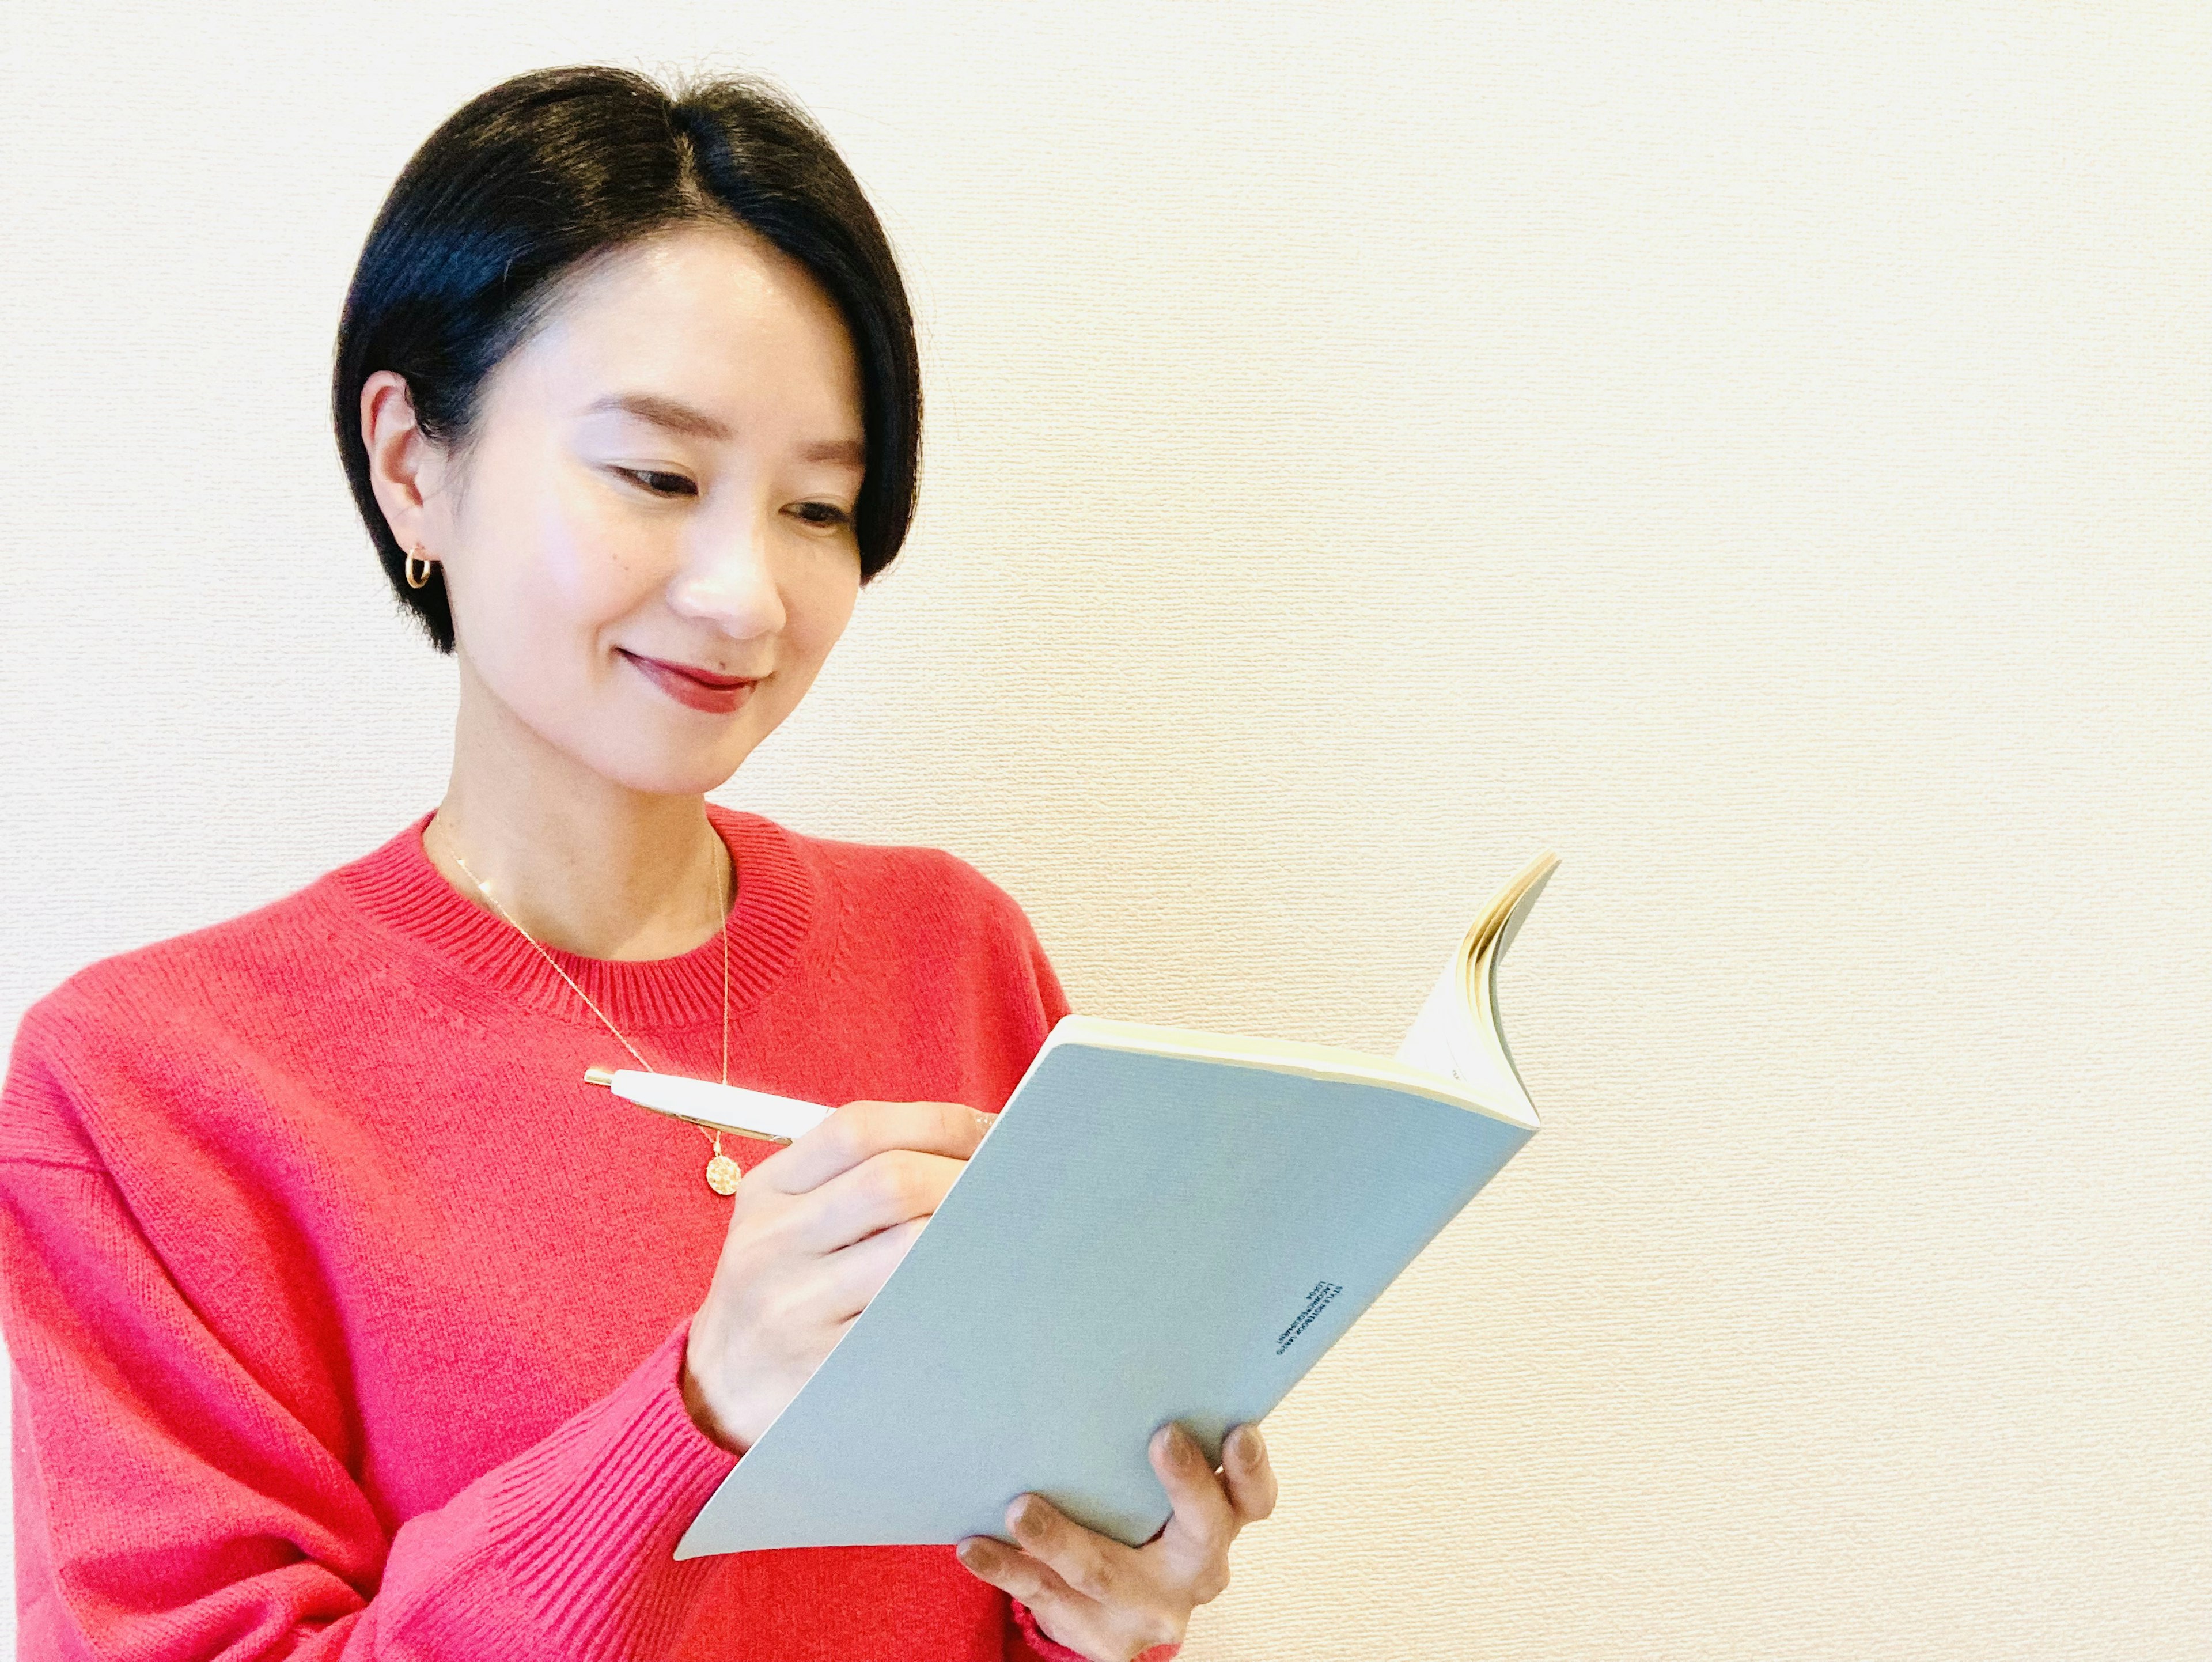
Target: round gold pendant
pixel 722 1174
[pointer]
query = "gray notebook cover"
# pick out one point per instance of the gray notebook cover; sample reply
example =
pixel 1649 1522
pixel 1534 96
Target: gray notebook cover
pixel 1143 1236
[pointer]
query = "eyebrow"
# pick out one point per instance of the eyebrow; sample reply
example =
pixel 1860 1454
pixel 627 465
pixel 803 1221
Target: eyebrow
pixel 679 417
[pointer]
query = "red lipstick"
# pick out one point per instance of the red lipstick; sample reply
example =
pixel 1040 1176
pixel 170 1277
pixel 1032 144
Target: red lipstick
pixel 696 688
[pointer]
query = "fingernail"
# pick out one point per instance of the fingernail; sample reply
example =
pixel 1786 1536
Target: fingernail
pixel 1248 1446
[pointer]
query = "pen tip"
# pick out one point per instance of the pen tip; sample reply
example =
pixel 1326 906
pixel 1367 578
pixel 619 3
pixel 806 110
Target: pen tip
pixel 599 1076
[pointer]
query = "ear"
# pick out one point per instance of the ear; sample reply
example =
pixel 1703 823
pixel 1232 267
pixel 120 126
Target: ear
pixel 406 468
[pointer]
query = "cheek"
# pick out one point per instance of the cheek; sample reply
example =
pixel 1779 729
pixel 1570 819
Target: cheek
pixel 591 562
pixel 816 605
pixel 817 610
pixel 567 567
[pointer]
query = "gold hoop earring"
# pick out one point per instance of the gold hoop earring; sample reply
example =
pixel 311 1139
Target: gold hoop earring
pixel 414 581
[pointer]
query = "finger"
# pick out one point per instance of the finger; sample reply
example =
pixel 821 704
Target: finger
pixel 851 1276
pixel 1203 1522
pixel 883 1189
pixel 860 1130
pixel 1092 1564
pixel 1248 1473
pixel 1014 1572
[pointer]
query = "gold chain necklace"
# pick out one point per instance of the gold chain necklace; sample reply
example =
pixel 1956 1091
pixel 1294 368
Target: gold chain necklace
pixel 722 1172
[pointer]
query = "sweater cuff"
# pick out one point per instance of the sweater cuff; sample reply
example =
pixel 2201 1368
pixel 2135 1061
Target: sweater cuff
pixel 1053 1651
pixel 585 1522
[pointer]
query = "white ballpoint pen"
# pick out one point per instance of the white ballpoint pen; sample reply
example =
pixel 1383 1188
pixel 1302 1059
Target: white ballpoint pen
pixel 717 1107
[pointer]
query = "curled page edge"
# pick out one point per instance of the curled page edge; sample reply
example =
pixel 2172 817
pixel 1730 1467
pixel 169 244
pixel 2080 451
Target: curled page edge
pixel 1458 1032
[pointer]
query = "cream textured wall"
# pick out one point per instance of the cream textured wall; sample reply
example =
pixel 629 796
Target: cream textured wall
pixel 1759 451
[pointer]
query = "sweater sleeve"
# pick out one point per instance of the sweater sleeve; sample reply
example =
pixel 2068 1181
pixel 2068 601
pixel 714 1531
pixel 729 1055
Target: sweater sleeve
pixel 1024 970
pixel 169 1505
pixel 1027 1639
pixel 1050 996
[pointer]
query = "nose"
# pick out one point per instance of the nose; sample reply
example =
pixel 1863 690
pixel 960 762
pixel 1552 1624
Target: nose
pixel 731 582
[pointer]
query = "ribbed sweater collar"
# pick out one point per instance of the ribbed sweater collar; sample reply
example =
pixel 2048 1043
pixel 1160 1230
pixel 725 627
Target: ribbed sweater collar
pixel 398 889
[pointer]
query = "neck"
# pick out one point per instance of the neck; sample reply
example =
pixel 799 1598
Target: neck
pixel 579 861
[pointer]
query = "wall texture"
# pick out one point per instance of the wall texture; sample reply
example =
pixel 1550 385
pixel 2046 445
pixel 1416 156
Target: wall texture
pixel 1759 452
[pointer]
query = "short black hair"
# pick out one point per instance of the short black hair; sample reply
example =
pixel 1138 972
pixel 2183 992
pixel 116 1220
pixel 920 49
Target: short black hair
pixel 546 168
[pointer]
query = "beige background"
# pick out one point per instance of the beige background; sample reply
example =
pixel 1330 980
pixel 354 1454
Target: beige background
pixel 1758 451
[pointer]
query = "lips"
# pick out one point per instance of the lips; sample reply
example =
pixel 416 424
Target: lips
pixel 695 689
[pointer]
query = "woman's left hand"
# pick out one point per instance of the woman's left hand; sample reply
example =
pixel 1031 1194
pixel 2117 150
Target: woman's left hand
pixel 1111 1601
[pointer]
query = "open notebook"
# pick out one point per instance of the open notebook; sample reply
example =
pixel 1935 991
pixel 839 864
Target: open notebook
pixel 1164 1224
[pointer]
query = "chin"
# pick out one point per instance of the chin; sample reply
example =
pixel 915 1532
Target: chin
pixel 691 773
pixel 672 767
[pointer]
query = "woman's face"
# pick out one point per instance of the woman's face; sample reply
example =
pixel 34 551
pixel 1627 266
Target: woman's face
pixel 665 470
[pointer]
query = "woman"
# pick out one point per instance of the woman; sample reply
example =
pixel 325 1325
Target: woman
pixel 347 1319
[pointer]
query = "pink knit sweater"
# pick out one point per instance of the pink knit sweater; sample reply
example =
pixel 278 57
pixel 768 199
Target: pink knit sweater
pixel 347 1319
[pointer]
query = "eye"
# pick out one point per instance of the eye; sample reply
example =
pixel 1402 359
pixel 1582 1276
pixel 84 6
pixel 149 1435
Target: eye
pixel 644 478
pixel 823 514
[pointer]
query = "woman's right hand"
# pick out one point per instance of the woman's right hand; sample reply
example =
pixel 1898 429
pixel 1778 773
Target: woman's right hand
pixel 816 1228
